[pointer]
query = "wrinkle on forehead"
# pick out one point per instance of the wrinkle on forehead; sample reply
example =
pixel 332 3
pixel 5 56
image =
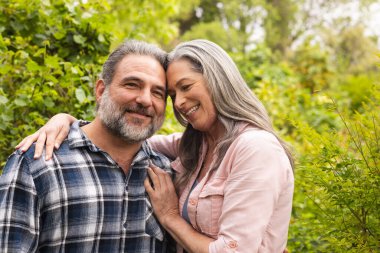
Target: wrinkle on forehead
pixel 146 68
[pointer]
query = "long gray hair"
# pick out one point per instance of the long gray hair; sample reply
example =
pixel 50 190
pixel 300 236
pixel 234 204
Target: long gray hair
pixel 233 99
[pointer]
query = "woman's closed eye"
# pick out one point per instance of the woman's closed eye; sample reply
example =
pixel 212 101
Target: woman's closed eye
pixel 185 87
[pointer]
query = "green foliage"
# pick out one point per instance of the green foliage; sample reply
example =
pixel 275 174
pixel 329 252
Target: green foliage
pixel 144 19
pixel 230 23
pixel 278 85
pixel 353 91
pixel 213 31
pixel 52 52
pixel 339 182
pixel 352 49
pixel 313 66
pixel 282 15
pixel 50 57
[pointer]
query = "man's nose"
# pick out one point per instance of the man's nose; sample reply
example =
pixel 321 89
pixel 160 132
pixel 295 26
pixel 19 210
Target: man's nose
pixel 144 98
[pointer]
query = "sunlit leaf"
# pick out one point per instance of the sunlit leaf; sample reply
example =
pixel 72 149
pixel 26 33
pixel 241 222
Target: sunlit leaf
pixel 80 95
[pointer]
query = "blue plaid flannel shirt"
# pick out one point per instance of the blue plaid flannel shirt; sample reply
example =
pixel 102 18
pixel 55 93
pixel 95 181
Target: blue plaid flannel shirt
pixel 79 201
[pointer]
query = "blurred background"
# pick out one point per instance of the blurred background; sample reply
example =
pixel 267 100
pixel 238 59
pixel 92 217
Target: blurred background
pixel 313 63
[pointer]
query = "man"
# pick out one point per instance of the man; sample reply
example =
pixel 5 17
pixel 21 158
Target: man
pixel 90 196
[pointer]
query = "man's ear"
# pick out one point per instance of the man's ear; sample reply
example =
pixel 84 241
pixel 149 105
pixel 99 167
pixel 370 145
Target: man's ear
pixel 99 89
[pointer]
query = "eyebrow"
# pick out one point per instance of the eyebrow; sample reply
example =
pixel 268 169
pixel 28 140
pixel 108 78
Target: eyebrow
pixel 131 78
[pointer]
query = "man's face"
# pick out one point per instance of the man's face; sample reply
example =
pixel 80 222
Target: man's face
pixel 133 105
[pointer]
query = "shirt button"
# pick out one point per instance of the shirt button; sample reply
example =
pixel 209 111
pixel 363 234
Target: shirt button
pixel 192 202
pixel 232 244
pixel 125 225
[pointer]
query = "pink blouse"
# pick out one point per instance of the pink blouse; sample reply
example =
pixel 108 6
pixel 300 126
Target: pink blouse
pixel 244 204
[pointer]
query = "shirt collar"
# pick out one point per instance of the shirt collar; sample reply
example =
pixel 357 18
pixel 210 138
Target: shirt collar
pixel 77 139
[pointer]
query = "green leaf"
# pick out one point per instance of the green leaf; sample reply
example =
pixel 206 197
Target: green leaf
pixel 3 100
pixel 76 70
pixel 52 61
pixel 6 117
pixel 86 15
pixel 20 102
pixel 101 38
pixel 32 66
pixel 79 39
pixel 5 69
pixel 60 34
pixel 39 52
pixel 80 95
pixel 48 102
pixel 51 78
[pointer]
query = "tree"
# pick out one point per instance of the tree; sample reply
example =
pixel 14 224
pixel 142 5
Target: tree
pixel 50 58
pixel 144 19
pixel 278 25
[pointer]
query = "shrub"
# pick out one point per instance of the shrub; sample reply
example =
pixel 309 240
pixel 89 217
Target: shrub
pixel 339 178
pixel 50 57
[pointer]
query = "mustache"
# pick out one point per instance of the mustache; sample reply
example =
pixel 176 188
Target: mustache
pixel 139 109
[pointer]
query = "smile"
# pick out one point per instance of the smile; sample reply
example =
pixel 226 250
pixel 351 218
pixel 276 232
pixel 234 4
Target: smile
pixel 139 112
pixel 138 116
pixel 192 110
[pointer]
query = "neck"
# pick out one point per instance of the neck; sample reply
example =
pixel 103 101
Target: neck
pixel 214 135
pixel 120 150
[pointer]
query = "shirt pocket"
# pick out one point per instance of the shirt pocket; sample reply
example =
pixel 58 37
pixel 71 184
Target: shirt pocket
pixel 209 207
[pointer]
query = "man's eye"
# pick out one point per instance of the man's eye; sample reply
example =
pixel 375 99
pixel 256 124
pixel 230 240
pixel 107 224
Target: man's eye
pixel 158 94
pixel 131 85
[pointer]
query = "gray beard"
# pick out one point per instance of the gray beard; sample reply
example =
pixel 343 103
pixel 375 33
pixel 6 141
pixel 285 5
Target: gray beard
pixel 112 116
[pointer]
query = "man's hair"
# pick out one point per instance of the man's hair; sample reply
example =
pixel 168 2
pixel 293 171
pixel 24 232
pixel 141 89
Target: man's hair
pixel 131 47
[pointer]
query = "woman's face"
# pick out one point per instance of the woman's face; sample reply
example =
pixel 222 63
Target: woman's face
pixel 192 99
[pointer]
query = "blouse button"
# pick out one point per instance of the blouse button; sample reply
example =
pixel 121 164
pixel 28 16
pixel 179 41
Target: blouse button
pixel 232 244
pixel 192 202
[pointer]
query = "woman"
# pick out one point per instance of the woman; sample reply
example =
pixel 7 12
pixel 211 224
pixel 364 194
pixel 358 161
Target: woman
pixel 234 175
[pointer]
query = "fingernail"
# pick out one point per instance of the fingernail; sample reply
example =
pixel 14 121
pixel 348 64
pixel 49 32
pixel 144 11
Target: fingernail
pixel 56 145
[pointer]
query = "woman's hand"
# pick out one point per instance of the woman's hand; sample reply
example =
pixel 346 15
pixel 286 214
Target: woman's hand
pixel 52 134
pixel 162 195
pixel 165 205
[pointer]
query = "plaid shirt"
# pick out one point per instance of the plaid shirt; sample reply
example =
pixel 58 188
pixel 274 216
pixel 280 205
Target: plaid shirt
pixel 79 201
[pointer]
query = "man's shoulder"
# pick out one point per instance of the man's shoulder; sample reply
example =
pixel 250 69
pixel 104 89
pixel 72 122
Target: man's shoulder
pixel 25 160
pixel 21 165
pixel 19 158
